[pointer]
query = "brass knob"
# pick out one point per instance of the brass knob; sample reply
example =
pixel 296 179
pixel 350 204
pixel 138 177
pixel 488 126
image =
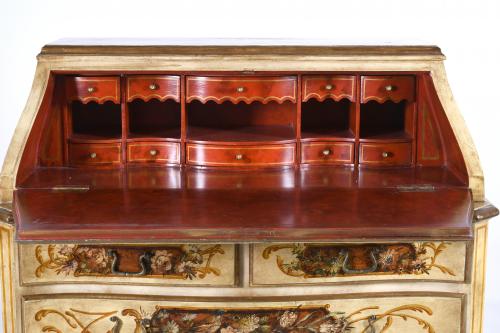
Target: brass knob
pixel 239 157
pixel 153 152
pixel 93 155
pixel 386 154
pixel 389 88
pixel 326 152
pixel 329 87
pixel 153 86
pixel 240 89
pixel 90 89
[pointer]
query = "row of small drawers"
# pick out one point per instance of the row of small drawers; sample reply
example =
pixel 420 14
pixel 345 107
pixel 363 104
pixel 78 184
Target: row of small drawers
pixel 235 89
pixel 321 152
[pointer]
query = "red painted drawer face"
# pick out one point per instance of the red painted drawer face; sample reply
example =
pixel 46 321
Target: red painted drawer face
pixel 234 156
pixel 94 154
pixel 322 87
pixel 93 89
pixel 153 152
pixel 385 88
pixel 385 153
pixel 237 89
pixel 146 87
pixel 326 152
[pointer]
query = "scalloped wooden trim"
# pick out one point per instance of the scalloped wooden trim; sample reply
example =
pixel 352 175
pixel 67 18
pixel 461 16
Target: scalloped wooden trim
pixel 100 100
pixel 365 99
pixel 247 100
pixel 336 98
pixel 154 96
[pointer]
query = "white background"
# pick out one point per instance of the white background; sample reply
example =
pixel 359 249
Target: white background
pixel 465 30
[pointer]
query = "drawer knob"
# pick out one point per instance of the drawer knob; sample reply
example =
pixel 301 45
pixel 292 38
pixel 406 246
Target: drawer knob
pixel 93 155
pixel 91 89
pixel 326 152
pixel 386 154
pixel 153 86
pixel 240 89
pixel 329 87
pixel 239 157
pixel 389 88
pixel 153 152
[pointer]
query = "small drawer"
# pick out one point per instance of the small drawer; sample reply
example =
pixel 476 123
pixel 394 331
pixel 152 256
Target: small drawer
pixel 237 89
pixel 93 89
pixel 153 152
pixel 327 152
pixel 161 87
pixel 387 88
pixel 335 87
pixel 230 156
pixel 385 153
pixel 94 154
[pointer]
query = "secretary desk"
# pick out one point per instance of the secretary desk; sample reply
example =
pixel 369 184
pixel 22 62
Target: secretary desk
pixel 241 186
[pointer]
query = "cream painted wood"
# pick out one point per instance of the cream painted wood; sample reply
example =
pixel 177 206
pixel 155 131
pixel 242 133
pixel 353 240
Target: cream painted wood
pixel 479 275
pixel 7 277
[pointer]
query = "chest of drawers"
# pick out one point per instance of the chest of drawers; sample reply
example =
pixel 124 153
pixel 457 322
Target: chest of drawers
pixel 241 189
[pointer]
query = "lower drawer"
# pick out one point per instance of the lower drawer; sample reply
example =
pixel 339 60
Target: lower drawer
pixel 385 154
pixel 230 156
pixel 153 152
pixel 81 154
pixel 349 313
pixel 166 264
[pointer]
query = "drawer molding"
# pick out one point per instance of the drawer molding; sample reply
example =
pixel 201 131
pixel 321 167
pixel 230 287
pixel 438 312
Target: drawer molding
pixel 336 260
pixel 310 318
pixel 168 262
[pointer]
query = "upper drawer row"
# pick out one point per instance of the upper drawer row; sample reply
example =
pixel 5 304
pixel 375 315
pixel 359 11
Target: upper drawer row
pixel 236 89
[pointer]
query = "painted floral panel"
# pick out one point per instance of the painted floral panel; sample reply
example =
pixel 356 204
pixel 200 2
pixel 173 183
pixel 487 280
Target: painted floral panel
pixel 306 262
pixel 177 264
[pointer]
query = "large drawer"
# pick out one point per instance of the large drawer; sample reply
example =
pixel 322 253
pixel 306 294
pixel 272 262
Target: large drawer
pixel 237 89
pixel 298 263
pixel 240 155
pixel 167 264
pixel 390 313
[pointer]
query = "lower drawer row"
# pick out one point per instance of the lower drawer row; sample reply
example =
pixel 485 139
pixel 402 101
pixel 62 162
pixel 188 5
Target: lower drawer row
pixel 388 313
pixel 220 265
pixel 321 152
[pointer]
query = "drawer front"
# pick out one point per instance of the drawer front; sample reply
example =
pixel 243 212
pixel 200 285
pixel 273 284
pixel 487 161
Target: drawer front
pixel 153 152
pixel 335 87
pixel 93 89
pixel 237 89
pixel 391 313
pixel 265 155
pixel 147 87
pixel 299 263
pixel 94 154
pixel 326 152
pixel 385 154
pixel 387 88
pixel 166 264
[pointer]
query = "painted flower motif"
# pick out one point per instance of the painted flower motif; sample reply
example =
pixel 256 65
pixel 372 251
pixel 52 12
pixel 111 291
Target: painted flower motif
pixel 248 324
pixel 68 267
pixel 419 267
pixel 386 258
pixel 288 318
pixel 66 250
pixel 170 327
pixel 337 325
pixel 188 268
pixel 229 329
pixel 188 317
pixel 93 259
pixel 162 261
